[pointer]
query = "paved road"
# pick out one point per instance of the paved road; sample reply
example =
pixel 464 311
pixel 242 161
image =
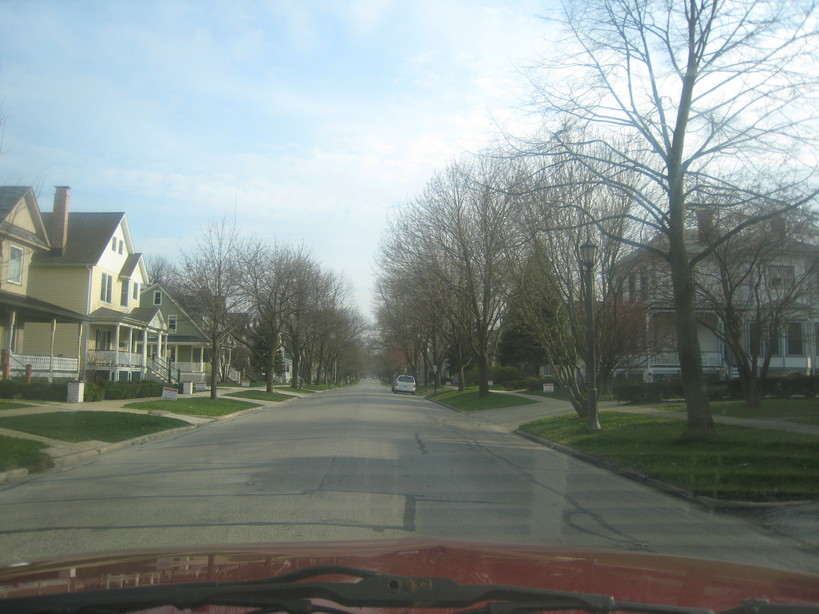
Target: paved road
pixel 360 463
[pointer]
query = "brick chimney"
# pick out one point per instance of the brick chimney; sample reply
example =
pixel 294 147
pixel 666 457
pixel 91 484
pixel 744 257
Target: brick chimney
pixel 59 219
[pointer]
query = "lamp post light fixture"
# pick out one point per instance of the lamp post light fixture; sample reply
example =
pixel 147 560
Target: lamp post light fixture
pixel 588 254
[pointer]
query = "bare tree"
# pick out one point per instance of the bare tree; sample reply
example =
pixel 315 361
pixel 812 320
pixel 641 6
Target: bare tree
pixel 699 91
pixel 454 246
pixel 209 278
pixel 268 286
pixel 161 271
pixel 549 295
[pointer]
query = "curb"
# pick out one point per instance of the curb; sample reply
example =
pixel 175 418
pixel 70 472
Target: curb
pixel 14 475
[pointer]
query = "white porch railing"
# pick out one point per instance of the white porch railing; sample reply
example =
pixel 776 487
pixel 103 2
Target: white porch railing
pixel 60 364
pixel 672 359
pixel 110 358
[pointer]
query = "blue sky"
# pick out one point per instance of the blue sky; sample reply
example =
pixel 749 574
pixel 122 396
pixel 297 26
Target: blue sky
pixel 310 119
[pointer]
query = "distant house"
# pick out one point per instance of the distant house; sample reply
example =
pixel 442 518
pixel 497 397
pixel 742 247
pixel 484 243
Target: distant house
pixel 24 236
pixel 796 346
pixel 186 343
pixel 93 268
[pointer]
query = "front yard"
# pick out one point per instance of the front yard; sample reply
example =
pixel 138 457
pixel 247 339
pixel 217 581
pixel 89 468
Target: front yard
pixel 735 463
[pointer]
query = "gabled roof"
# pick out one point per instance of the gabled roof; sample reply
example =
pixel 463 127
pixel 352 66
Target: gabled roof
pixel 89 235
pixel 159 287
pixel 10 196
pixel 140 316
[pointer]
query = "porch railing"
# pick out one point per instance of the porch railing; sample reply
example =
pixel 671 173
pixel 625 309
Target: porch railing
pixel 672 359
pixel 110 358
pixel 42 364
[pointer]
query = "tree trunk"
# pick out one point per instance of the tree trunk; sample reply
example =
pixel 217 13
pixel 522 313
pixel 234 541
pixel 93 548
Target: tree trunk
pixel 483 375
pixel 271 368
pixel 688 344
pixel 214 368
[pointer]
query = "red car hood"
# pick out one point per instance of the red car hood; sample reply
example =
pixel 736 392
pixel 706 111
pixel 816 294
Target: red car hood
pixel 626 576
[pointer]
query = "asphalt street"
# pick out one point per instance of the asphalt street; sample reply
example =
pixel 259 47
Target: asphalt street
pixel 361 464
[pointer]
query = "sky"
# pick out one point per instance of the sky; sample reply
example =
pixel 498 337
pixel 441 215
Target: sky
pixel 308 121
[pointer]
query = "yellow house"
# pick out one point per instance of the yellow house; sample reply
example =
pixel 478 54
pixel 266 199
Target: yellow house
pixel 93 268
pixel 24 235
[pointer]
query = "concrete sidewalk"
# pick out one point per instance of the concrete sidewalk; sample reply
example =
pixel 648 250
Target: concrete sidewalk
pixel 555 407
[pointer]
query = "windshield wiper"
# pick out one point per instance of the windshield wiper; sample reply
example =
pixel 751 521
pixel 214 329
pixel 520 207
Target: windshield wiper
pixel 292 593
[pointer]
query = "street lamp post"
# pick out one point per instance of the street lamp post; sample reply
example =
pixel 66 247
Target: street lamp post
pixel 588 253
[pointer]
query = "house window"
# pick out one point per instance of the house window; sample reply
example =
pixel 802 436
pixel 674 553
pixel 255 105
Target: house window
pixel 103 340
pixel 124 293
pixel 15 272
pixel 795 339
pixel 172 323
pixel 121 244
pixel 114 244
pixel 780 277
pixel 157 298
pixel 761 340
pixel 107 288
pixel 136 291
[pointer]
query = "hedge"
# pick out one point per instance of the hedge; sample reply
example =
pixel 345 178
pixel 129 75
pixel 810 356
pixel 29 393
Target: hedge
pixel 781 387
pixel 39 390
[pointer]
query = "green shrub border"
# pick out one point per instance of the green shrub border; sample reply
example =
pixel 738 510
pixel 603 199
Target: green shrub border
pixel 39 390
pixel 805 386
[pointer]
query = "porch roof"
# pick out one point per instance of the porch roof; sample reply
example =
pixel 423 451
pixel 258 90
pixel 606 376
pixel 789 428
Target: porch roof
pixel 192 339
pixel 140 316
pixel 35 310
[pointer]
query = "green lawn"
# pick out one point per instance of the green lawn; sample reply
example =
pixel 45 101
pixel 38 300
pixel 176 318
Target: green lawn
pixel 261 395
pixel 735 463
pixel 468 400
pixel 195 406
pixel 90 425
pixel 23 453
pixel 13 405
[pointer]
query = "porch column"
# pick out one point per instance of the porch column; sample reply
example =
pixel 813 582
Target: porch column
pixel 130 345
pixel 116 352
pixel 51 350
pixel 80 352
pixel 12 325
pixel 144 353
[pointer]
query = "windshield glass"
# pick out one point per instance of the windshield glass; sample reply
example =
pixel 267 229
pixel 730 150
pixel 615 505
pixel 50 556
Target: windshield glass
pixel 537 274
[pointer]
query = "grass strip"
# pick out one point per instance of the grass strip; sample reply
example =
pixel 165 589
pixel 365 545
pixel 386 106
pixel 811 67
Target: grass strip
pixel 13 405
pixel 734 463
pixel 195 406
pixel 18 453
pixel 261 395
pixel 108 426
pixel 468 400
